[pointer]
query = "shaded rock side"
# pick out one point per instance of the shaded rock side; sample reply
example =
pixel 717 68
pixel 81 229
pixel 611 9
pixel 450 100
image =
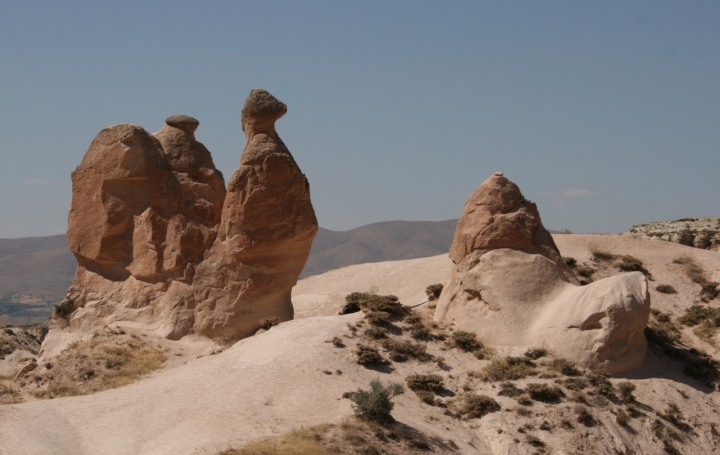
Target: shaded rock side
pixel 509 285
pixel 144 224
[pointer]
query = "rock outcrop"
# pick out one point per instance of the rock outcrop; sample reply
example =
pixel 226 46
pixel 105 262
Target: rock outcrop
pixel 162 244
pixel 510 286
pixel 703 233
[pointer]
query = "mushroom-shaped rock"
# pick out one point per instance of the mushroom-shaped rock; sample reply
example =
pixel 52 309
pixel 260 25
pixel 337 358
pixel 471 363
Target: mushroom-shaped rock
pixel 510 286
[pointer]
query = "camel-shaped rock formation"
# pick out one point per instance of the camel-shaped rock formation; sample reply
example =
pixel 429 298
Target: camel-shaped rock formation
pixel 509 285
pixel 162 244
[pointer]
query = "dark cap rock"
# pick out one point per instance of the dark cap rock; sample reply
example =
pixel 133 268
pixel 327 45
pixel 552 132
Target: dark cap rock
pixel 182 121
pixel 260 104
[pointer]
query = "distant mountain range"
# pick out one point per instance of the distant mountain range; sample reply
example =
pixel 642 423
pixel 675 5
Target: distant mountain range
pixel 43 267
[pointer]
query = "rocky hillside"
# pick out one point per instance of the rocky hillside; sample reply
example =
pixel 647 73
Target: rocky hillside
pixel 703 233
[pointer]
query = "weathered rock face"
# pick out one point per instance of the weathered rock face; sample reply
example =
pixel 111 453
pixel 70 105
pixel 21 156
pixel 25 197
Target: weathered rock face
pixel 144 223
pixel 703 233
pixel 510 286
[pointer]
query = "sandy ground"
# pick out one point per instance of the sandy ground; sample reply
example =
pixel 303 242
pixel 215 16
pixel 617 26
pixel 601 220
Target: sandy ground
pixel 276 381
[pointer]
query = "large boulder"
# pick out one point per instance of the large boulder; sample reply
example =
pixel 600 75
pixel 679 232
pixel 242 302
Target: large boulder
pixel 509 285
pixel 161 244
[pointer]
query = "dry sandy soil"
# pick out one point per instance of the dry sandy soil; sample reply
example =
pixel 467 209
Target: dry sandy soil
pixel 290 376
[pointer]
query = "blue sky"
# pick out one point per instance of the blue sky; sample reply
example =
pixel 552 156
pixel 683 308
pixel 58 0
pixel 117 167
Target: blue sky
pixel 607 114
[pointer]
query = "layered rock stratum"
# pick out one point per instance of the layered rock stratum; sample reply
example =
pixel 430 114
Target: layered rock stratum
pixel 509 285
pixel 161 243
pixel 703 233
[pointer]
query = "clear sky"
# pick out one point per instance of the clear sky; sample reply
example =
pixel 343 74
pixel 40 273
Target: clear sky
pixel 607 114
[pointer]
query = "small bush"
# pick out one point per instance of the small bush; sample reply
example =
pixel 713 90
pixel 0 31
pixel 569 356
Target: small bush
pixel 467 341
pixel 602 255
pixel 570 262
pixel 665 289
pixel 522 411
pixel 629 263
pixel 674 415
pixel 65 308
pixel 508 389
pixel 375 333
pixel 267 323
pixel 376 404
pixel 508 369
pixel 534 441
pixel 337 342
pixel 622 418
pixel 583 416
pixel 535 353
pixel 476 406
pixel 544 393
pixel 699 313
pixel 709 290
pixel 626 389
pixel 599 380
pixel 565 367
pixel 692 270
pixel 427 382
pixel 433 291
pixel 400 351
pixel 368 355
pixel 418 331
pixel 585 271
pixel 426 397
pixel 377 317
pixel 574 384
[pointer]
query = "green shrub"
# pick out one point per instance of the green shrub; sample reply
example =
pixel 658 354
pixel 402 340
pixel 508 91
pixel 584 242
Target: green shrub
pixel 368 355
pixel 622 418
pixel 508 369
pixel 377 317
pixel 626 389
pixel 585 271
pixel 375 333
pixel 674 415
pixel 629 263
pixel 600 380
pixel 602 255
pixel 570 262
pixel 544 393
pixel 534 441
pixel 433 291
pixel 665 289
pixel 426 397
pixel 583 416
pixel 574 384
pixel 418 331
pixel 400 351
pixel 467 341
pixel 267 323
pixel 565 367
pixel 508 389
pixel 337 342
pixel 700 313
pixel 376 404
pixel 692 270
pixel 65 308
pixel 427 382
pixel 535 353
pixel 476 406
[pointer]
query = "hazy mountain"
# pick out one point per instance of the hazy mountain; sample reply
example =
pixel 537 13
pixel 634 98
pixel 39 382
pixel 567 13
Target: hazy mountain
pixel 386 241
pixel 44 267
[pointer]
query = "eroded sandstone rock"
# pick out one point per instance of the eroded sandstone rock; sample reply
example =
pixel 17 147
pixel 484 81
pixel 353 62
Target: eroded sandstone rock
pixel 161 243
pixel 509 285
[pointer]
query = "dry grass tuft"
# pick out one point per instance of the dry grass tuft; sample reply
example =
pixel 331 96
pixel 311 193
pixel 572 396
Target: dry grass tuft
pixel 508 369
pixel 108 361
